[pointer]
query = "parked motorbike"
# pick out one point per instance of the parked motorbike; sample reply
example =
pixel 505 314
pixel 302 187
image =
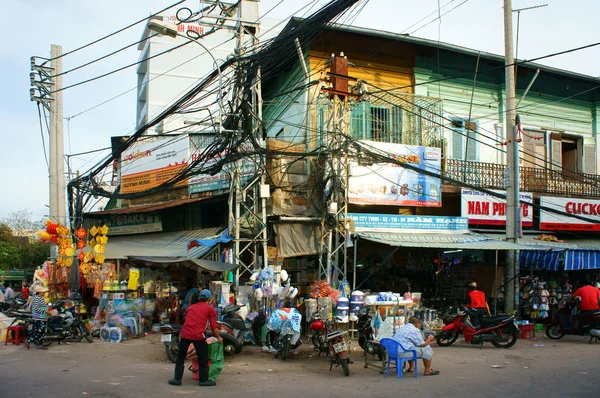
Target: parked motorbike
pixel 284 331
pixel 66 326
pixel 332 342
pixel 366 335
pixel 499 330
pixel 170 339
pixel 234 324
pixel 565 322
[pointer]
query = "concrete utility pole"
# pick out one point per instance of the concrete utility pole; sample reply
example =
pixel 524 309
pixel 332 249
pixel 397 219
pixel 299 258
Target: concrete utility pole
pixel 513 222
pixel 45 90
pixel 58 209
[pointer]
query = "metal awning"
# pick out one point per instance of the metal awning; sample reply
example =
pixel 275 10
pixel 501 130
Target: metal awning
pixel 470 241
pixel 166 248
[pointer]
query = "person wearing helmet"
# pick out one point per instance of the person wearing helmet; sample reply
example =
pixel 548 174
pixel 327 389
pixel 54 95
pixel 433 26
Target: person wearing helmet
pixel 477 302
pixel 197 317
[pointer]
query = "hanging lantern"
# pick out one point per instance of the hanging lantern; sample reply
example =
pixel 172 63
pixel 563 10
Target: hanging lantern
pixel 93 231
pixel 99 249
pixel 81 233
pixel 102 239
pixel 104 229
pixel 80 244
pixel 70 252
pixel 81 255
pixel 100 258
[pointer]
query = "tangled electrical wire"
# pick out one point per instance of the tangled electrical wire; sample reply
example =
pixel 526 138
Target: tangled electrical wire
pixel 239 125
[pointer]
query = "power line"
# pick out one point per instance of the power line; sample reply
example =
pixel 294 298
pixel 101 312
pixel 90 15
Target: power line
pixel 116 32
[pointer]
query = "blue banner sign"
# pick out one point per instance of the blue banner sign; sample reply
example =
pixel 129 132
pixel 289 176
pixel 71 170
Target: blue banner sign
pixel 365 221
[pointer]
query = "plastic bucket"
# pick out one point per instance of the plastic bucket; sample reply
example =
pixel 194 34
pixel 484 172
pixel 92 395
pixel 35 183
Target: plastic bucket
pixel 342 302
pixel 356 296
pixel 342 311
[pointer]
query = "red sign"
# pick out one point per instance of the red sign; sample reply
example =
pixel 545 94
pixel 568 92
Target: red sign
pixel 481 208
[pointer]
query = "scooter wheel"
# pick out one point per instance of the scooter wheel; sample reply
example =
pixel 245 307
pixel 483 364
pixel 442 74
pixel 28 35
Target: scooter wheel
pixel 554 332
pixel 345 367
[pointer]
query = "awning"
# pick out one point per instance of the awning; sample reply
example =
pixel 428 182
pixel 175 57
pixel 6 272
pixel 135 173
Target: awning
pixel 163 248
pixel 297 239
pixel 537 244
pixel 577 260
pixel 470 241
pixel 145 208
pixel 164 262
pixel 549 260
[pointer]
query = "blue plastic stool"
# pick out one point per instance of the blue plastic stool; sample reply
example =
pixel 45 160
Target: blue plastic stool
pixel 393 348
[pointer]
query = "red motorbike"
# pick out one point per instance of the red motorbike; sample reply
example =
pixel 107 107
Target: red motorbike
pixel 499 330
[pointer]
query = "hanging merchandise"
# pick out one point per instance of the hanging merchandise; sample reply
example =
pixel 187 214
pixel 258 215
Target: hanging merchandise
pixel 134 275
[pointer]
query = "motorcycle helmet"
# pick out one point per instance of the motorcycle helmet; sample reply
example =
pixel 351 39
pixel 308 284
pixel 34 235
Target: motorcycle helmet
pixel 471 285
pixel 317 325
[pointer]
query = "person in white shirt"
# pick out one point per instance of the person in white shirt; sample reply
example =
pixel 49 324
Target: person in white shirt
pixel 9 293
pixel 409 336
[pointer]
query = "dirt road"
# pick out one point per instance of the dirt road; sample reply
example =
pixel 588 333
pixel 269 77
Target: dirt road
pixel 138 368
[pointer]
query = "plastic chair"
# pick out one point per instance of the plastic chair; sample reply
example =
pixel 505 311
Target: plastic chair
pixel 393 349
pixel 15 335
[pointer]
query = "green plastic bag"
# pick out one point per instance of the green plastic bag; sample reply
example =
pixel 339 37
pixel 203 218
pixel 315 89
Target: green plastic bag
pixel 217 360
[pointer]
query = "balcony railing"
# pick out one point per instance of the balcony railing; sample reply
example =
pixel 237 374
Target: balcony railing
pixel 491 175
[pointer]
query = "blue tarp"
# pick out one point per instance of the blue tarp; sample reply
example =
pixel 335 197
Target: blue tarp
pixel 538 259
pixel 223 238
pixel 576 260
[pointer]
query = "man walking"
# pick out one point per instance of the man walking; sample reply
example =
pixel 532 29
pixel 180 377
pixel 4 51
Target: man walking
pixel 192 332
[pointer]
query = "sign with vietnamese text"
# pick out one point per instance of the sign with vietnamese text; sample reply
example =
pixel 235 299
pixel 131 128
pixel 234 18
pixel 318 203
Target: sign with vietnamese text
pixel 394 222
pixel 484 209
pixel 393 184
pixel 587 208
pixel 137 223
pixel 149 163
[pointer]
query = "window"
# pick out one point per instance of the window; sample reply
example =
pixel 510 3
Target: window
pixel 377 123
pixel 464 140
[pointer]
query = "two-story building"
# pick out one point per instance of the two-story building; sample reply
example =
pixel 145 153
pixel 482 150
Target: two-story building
pixel 421 97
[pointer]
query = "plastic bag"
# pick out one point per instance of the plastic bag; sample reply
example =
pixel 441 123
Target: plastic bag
pixel 217 360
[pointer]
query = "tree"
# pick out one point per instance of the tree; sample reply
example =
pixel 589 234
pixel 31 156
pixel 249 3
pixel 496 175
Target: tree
pixel 9 256
pixel 21 223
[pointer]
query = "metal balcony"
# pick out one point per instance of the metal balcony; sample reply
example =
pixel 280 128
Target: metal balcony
pixel 491 175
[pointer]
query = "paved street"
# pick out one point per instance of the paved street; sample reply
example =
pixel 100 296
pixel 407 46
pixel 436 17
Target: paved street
pixel 540 368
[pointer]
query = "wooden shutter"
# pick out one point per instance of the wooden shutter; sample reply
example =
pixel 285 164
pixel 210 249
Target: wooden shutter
pixel 457 140
pixel 589 156
pixel 361 120
pixel 533 151
pixel 471 146
pixel 556 149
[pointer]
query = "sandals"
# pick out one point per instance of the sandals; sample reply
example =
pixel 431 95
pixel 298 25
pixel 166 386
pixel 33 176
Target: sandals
pixel 433 373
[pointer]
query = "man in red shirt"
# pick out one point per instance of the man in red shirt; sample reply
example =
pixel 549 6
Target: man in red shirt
pixel 477 302
pixel 589 298
pixel 196 318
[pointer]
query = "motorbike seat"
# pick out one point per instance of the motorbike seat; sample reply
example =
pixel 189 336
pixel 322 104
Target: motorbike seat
pixel 488 321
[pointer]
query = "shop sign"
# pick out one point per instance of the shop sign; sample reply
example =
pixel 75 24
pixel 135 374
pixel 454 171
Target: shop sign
pixel 587 208
pixel 150 163
pixel 484 209
pixel 221 180
pixel 394 222
pixel 392 184
pixel 139 223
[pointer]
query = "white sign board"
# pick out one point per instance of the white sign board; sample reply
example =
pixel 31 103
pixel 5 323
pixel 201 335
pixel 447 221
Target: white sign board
pixel 482 208
pixel 587 208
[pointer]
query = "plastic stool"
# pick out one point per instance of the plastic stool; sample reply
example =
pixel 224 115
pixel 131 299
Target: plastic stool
pixel 527 331
pixel 18 335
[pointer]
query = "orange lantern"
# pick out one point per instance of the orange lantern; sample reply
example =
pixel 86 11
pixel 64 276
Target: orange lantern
pixel 81 233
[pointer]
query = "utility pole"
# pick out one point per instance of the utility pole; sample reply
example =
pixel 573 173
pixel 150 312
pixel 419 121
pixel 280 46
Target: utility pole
pixel 46 84
pixel 513 222
pixel 334 255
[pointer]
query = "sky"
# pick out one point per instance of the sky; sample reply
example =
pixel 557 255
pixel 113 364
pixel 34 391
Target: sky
pixel 476 24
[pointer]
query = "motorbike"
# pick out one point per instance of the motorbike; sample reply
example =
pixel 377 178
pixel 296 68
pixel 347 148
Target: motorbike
pixel 284 331
pixel 366 335
pixel 331 342
pixel 565 322
pixel 234 325
pixel 499 330
pixel 170 339
pixel 65 326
